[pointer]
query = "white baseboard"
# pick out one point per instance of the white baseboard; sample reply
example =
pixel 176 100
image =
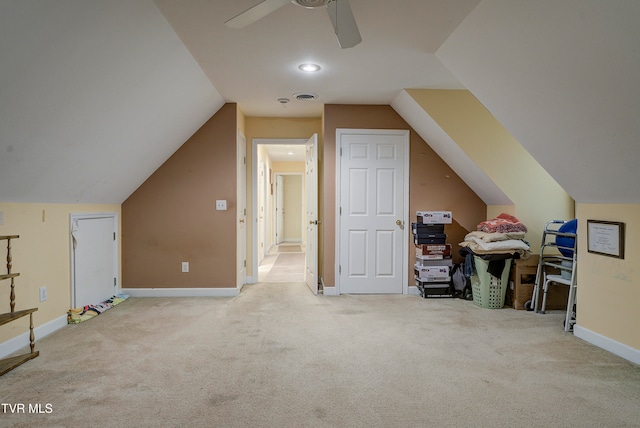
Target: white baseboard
pixel 181 292
pixel 14 345
pixel 413 291
pixel 333 291
pixel 330 291
pixel 617 348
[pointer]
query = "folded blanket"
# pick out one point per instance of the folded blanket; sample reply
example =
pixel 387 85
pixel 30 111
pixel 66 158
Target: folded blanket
pixel 508 244
pixel 511 247
pixel 503 223
pixel 495 236
pixel 77 315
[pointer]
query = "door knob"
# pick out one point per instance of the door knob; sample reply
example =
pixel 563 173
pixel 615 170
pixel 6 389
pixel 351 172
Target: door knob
pixel 400 224
pixel 241 220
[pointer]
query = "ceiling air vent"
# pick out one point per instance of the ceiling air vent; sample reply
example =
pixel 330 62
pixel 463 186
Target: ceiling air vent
pixel 305 96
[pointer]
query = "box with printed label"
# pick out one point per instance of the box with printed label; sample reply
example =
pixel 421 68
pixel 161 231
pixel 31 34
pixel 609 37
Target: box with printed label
pixel 434 262
pixel 431 273
pixel 443 217
pixel 433 250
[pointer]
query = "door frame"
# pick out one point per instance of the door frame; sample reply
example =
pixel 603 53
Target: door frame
pixel 405 236
pixel 277 209
pixel 254 196
pixel 116 245
pixel 241 211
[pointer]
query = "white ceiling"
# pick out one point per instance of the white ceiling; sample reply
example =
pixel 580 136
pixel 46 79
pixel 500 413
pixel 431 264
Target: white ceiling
pixel 564 78
pixel 256 65
pixel 286 152
pixel 94 96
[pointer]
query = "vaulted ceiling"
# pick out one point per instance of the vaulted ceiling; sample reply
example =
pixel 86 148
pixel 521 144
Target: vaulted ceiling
pixel 94 96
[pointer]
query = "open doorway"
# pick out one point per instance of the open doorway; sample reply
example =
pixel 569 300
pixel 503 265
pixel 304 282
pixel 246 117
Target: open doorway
pixel 279 200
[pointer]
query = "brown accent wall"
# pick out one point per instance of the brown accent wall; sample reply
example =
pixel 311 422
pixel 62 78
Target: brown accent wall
pixel 432 184
pixel 171 218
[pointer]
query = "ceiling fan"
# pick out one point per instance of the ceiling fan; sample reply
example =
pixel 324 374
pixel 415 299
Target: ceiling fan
pixel 339 11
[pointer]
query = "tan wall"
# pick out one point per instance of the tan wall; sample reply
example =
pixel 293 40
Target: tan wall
pixel 172 218
pixel 609 288
pixel 292 208
pixel 536 196
pixel 433 185
pixel 42 256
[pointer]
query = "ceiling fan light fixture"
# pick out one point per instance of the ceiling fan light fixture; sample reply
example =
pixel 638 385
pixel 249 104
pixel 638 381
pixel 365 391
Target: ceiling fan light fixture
pixel 310 4
pixel 309 67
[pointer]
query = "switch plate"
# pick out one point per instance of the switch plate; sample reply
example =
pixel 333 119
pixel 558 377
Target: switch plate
pixel 221 205
pixel 43 294
pixel 185 266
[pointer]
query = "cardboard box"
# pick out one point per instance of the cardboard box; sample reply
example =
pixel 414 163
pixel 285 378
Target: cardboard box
pixel 431 273
pixel 433 250
pixel 433 239
pixel 523 277
pixel 434 262
pixel 433 289
pixel 441 217
pixel 421 228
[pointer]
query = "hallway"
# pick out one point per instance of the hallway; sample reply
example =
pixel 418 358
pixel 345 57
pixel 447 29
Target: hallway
pixel 283 263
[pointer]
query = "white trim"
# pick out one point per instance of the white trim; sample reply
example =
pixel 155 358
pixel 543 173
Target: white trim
pixel 254 194
pixel 241 151
pixel 17 343
pixel 181 292
pixel 405 237
pixel 413 291
pixel 330 291
pixel 617 348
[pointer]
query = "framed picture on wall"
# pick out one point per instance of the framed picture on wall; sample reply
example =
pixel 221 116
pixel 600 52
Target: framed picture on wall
pixel 605 238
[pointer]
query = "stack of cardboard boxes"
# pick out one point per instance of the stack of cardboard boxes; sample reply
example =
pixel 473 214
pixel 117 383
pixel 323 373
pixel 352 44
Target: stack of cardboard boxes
pixel 433 254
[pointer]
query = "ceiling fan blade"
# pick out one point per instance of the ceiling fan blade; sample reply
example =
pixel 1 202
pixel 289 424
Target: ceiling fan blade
pixel 344 23
pixel 258 11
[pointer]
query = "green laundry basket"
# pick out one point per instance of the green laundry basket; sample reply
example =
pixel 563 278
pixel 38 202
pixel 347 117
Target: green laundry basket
pixel 489 291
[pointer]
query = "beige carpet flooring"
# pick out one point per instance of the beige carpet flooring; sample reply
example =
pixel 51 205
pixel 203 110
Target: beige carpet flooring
pixel 277 356
pixel 289 249
pixel 288 267
pixel 283 263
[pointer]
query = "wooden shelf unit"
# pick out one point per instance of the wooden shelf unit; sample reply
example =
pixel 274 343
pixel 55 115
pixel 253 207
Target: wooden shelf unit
pixel 10 363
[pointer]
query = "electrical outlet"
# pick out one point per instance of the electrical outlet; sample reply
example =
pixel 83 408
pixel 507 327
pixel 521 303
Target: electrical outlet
pixel 43 294
pixel 221 204
pixel 185 266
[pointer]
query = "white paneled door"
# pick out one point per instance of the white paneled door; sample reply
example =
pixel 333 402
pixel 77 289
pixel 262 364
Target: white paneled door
pixel 94 258
pixel 311 209
pixel 372 211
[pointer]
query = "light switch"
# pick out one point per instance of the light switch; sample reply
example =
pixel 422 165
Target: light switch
pixel 221 205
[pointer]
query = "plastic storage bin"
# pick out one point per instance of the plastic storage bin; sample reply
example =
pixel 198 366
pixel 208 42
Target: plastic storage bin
pixel 489 291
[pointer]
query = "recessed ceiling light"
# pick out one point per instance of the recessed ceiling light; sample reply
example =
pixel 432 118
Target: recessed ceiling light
pixel 309 67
